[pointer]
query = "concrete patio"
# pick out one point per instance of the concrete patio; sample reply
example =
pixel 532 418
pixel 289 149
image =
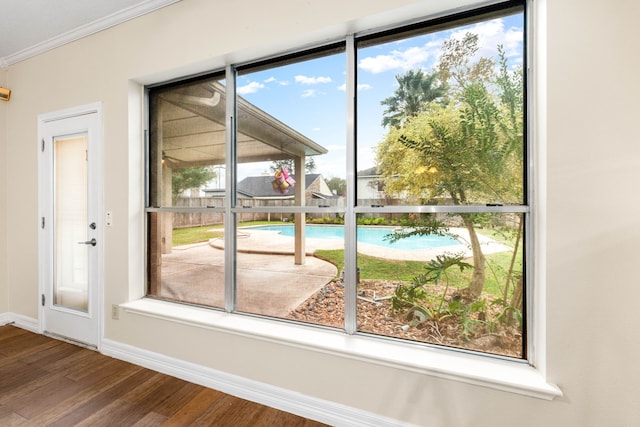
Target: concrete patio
pixel 267 284
pixel 268 280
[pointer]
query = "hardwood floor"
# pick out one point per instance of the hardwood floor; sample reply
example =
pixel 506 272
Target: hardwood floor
pixel 46 382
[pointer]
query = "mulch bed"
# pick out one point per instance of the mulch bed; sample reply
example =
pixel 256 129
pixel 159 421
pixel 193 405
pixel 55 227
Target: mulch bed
pixel 375 316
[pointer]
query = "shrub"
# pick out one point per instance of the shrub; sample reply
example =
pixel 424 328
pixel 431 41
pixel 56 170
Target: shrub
pixel 416 295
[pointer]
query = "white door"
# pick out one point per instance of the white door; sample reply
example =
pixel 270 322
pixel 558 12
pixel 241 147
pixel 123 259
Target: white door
pixel 70 197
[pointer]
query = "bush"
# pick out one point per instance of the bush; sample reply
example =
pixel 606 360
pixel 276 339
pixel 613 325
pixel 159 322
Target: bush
pixel 372 221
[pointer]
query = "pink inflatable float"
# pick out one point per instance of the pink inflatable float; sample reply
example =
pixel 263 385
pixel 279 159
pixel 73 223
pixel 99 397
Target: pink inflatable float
pixel 283 181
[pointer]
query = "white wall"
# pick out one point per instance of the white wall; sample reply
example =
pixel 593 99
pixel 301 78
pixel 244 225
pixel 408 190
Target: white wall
pixel 367 188
pixel 590 222
pixel 4 290
pixel 593 222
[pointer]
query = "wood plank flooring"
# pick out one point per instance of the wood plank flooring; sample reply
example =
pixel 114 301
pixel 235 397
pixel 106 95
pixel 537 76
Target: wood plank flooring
pixel 46 382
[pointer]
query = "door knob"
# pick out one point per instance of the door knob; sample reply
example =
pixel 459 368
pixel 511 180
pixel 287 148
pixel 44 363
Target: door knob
pixel 91 242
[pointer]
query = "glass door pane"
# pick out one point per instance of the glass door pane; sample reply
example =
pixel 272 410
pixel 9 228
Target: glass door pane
pixel 71 278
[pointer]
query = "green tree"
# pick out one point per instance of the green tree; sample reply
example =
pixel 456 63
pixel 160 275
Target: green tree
pixel 416 89
pixel 457 66
pixel 468 150
pixel 190 177
pixel 289 164
pixel 338 186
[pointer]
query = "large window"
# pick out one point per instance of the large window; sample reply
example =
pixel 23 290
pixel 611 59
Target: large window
pixel 377 185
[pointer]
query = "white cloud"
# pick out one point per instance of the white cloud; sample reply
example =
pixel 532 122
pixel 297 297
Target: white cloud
pixel 491 33
pixel 380 63
pixel 309 93
pixel 275 80
pixel 401 59
pixel 332 164
pixel 306 80
pixel 362 86
pixel 251 87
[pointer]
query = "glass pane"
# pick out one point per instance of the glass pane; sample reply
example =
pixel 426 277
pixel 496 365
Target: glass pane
pixel 187 158
pixel 291 271
pixel 191 268
pixel 187 144
pixel 71 285
pixel 291 121
pixel 453 280
pixel 440 116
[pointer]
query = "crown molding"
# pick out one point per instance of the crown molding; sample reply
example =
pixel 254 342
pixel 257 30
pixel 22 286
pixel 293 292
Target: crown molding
pixel 86 30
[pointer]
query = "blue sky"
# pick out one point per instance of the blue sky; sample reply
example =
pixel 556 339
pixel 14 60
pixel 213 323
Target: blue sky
pixel 310 96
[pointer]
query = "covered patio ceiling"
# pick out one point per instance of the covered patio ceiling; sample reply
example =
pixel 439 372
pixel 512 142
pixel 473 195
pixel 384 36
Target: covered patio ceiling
pixel 193 129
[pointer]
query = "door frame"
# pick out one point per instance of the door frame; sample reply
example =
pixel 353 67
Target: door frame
pixel 45 251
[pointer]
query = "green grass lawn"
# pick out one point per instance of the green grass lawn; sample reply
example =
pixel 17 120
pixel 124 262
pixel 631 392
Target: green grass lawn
pixel 375 268
pixel 386 269
pixel 372 268
pixel 187 236
pixel 382 269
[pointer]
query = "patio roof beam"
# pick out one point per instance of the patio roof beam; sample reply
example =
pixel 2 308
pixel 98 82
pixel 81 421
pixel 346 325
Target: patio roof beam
pixel 271 138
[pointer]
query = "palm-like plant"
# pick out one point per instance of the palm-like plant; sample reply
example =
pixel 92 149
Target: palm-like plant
pixel 468 150
pixel 415 90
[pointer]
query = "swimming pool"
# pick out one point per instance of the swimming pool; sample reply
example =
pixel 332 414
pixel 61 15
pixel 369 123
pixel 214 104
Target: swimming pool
pixel 370 235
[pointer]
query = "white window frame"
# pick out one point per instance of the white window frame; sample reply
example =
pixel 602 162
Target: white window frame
pixel 527 377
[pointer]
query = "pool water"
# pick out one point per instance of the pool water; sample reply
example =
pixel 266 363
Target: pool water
pixel 370 235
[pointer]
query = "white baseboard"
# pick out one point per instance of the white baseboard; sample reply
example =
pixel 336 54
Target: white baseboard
pixel 24 322
pixel 320 410
pixel 324 411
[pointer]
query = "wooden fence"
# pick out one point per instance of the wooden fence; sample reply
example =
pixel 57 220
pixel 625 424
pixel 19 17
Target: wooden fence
pixel 195 219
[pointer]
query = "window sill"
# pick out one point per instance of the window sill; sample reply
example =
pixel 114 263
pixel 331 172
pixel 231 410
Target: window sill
pixel 506 375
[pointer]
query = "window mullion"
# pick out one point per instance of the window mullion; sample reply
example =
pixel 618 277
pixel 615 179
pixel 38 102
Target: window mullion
pixel 532 217
pixel 350 245
pixel 230 192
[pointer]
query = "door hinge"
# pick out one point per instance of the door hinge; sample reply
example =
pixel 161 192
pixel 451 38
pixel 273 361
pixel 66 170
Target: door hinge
pixel 42 222
pixel 43 300
pixel 42 147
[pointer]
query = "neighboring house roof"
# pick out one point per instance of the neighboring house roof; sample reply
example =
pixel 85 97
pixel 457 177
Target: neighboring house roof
pixel 257 186
pixel 261 187
pixel 369 172
pixel 310 178
pixel 317 195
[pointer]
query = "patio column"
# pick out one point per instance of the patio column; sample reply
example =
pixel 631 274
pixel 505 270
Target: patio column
pixel 299 250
